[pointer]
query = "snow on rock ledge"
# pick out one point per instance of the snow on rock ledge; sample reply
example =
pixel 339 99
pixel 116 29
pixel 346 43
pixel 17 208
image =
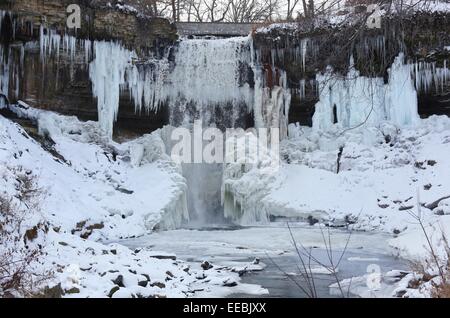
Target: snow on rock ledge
pixel 108 182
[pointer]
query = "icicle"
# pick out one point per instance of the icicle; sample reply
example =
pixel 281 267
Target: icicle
pixel 427 76
pixel 4 70
pixel 302 91
pixel 108 79
pixel 87 50
pixel 304 48
pixel 51 43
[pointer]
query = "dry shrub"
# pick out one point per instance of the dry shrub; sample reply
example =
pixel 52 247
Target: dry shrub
pixel 442 290
pixel 440 283
pixel 20 248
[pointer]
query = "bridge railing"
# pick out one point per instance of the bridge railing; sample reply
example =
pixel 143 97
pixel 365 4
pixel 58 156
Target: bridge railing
pixel 214 28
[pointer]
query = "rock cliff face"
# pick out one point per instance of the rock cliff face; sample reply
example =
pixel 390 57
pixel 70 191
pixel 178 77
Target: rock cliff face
pixel 62 83
pixel 98 21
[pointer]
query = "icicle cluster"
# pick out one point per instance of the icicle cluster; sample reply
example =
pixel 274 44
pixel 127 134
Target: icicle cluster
pixel 205 73
pixel 271 105
pixel 356 100
pixel 4 70
pixel 4 62
pixel 9 71
pixel 51 43
pixel 429 77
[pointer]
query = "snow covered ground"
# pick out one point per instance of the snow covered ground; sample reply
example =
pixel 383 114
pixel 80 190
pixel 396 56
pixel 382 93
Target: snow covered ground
pixel 384 172
pixel 373 178
pixel 94 190
pixel 99 192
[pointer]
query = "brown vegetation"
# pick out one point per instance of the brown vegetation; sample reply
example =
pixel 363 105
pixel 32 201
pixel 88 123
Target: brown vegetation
pixel 18 251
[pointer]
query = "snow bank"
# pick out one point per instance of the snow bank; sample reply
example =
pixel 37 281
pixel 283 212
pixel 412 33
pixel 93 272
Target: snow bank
pixel 414 244
pixel 98 191
pixel 381 170
pixel 136 197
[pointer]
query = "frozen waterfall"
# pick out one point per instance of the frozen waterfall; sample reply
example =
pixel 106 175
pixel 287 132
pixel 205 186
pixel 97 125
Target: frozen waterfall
pixel 217 80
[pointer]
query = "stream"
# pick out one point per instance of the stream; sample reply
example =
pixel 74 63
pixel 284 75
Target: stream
pixel 278 264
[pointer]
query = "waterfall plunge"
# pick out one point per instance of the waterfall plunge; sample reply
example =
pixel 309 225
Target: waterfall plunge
pixel 207 86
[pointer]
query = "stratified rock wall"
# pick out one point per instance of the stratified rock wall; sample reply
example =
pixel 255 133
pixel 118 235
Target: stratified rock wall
pixel 60 82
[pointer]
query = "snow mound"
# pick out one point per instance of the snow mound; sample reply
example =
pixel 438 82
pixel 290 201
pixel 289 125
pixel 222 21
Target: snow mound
pixel 106 179
pixel 381 169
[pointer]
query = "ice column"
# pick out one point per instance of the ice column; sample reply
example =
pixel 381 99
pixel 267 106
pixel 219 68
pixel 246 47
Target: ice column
pixel 355 100
pixel 107 73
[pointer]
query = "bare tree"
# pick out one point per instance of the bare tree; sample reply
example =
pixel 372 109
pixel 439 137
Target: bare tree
pixel 242 11
pixel 196 11
pixel 236 11
pixel 217 10
pixel 170 8
pixel 291 5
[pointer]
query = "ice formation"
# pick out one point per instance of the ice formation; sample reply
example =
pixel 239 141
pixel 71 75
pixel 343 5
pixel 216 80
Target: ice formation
pixel 356 100
pixel 108 80
pixel 271 105
pixel 205 74
pixel 428 76
pixel 51 42
pixel 4 65
pixel 9 71
pixel 208 71
pixel 4 70
pixel 345 102
pixel 246 184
